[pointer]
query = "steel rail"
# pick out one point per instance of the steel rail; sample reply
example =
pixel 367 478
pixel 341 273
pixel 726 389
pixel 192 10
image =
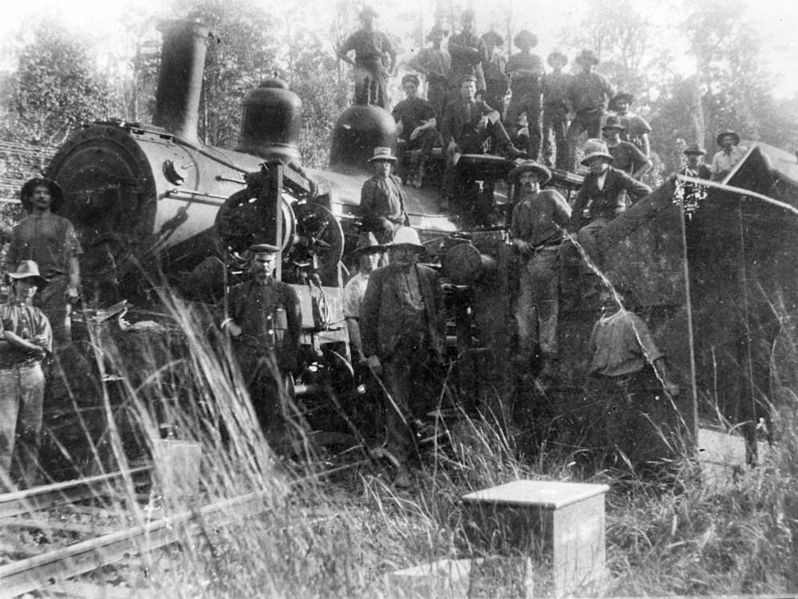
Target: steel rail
pixel 47 496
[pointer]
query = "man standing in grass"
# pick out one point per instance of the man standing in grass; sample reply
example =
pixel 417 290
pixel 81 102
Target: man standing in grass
pixel 402 329
pixel 25 340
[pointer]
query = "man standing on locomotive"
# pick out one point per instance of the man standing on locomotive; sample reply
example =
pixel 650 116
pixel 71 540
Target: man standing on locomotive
pixel 637 129
pixel 555 110
pixel 371 48
pixel 601 197
pixel 468 52
pixel 435 64
pixel 264 322
pixel 539 222
pixel 525 70
pixel 382 199
pixel 25 340
pixel 49 240
pixel 402 328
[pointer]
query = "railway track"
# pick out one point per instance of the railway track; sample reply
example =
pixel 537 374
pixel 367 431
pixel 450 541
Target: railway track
pixel 54 571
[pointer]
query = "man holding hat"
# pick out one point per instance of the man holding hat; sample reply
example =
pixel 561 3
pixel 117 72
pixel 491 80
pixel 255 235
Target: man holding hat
pixel 730 154
pixel 468 53
pixel 695 166
pixel 264 322
pixel 371 48
pixel 497 84
pixel 589 94
pixel 435 64
pixel 628 156
pixel 51 241
pixel 25 340
pixel 416 119
pixel 525 70
pixel 637 128
pixel 601 197
pixel 382 200
pixel 556 109
pixel 368 252
pixel 402 328
pixel 539 222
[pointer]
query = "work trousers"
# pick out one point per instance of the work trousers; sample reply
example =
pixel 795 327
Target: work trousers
pixel 473 141
pixel 555 124
pixel 539 301
pixel 21 404
pixel 415 153
pixel 587 120
pixel 370 86
pixel 52 301
pixel 262 377
pixel 528 103
pixel 587 237
pixel 437 94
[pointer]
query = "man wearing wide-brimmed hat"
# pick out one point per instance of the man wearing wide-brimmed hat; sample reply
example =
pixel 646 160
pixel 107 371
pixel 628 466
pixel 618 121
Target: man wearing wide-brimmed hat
pixel 51 241
pixel 372 49
pixel 601 197
pixel 367 251
pixel 589 94
pixel 539 221
pixel 556 109
pixel 417 130
pixel 402 328
pixel 637 128
pixel 468 52
pixel 695 167
pixel 264 320
pixel 730 154
pixel 382 200
pixel 497 84
pixel 628 156
pixel 25 339
pixel 525 70
pixel 435 64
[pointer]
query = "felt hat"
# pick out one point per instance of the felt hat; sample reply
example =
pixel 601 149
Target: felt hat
pixel 621 96
pixel 525 39
pixel 557 55
pixel 263 248
pixel 367 244
pixel 26 194
pixel 412 78
pixel 492 38
pixel 586 57
pixel 436 32
pixel 694 149
pixel 368 11
pixel 530 166
pixel 723 134
pixel 594 148
pixel 613 122
pixel 381 153
pixel 28 269
pixel 406 236
pixel 465 78
pixel 468 14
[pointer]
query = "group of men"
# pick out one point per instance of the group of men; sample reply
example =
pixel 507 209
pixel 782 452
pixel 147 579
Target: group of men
pixel 43 269
pixel 467 104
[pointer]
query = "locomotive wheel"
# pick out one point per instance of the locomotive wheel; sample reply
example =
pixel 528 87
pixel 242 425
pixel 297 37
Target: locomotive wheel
pixel 319 241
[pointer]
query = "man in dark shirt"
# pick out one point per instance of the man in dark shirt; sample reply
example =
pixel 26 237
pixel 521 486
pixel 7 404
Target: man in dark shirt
pixel 371 49
pixel 264 322
pixel 555 110
pixel 497 83
pixel 601 197
pixel 539 222
pixel 695 166
pixel 468 52
pixel 382 200
pixel 416 119
pixel 637 128
pixel 25 339
pixel 525 70
pixel 589 94
pixel 402 329
pixel 435 64
pixel 628 157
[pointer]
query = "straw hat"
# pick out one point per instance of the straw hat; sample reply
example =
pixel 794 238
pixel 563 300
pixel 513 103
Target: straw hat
pixel 530 166
pixel 694 149
pixel 594 148
pixel 382 153
pixel 723 134
pixel 406 236
pixel 367 244
pixel 28 269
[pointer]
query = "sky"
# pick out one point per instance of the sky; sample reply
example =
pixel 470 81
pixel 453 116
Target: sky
pixel 103 20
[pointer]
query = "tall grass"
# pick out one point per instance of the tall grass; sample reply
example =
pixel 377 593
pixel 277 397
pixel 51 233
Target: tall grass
pixel 317 537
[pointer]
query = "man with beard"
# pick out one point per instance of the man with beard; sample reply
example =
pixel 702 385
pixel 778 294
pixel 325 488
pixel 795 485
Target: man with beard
pixel 539 222
pixel 402 328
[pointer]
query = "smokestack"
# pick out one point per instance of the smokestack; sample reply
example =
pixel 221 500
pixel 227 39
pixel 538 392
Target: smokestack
pixel 180 78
